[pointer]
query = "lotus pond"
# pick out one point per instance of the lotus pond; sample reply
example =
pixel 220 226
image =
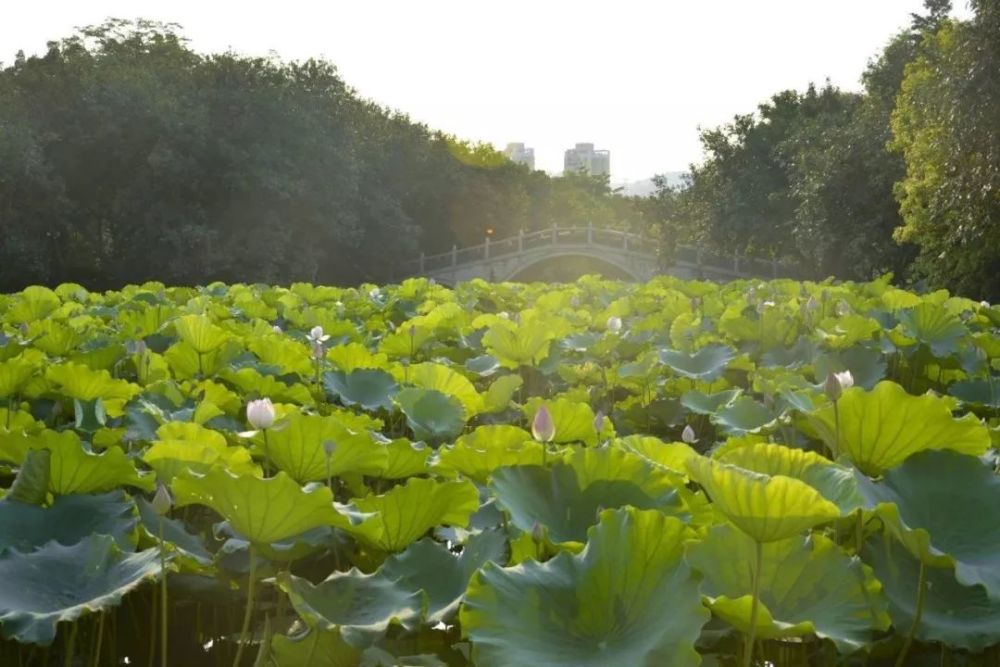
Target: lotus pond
pixel 607 474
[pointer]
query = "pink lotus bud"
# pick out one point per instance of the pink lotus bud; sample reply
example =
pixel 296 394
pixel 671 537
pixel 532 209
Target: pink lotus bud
pixel 260 413
pixel 688 435
pixel 836 383
pixel 599 421
pixel 543 429
pixel 329 447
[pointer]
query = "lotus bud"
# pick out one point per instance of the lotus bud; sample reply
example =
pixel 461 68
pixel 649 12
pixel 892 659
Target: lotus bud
pixel 984 304
pixel 614 324
pixel 412 330
pixel 317 349
pixel 503 315
pixel 688 435
pixel 260 413
pixel 843 308
pixel 599 421
pixel 329 447
pixel 277 329
pixel 537 532
pixel 836 383
pixel 161 500
pixel 543 429
pixel 375 293
pixel 812 304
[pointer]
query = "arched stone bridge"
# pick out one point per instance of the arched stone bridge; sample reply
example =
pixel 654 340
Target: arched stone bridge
pixel 632 254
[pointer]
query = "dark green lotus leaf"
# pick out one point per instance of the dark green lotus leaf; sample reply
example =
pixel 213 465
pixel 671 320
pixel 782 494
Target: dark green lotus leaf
pixel 566 498
pixel 709 404
pixel 369 388
pixel 174 532
pixel 61 583
pixel 361 606
pixel 431 567
pixel 977 392
pixel 808 586
pixel 790 357
pixel 31 485
pixel 67 521
pixel 708 363
pixel 962 617
pixel 744 415
pixel 628 599
pixel 966 534
pixel 432 415
pixel 867 366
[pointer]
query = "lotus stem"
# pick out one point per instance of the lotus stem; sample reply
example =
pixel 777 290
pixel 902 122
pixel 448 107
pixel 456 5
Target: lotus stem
pixel 267 454
pixel 70 645
pixel 754 604
pixel 100 638
pixel 859 532
pixel 312 647
pixel 248 612
pixel 163 600
pixel 921 589
pixel 835 450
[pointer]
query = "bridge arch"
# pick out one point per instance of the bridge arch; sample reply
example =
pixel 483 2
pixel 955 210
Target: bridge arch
pixel 599 262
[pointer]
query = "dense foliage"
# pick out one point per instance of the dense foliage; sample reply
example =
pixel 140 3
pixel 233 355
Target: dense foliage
pixel 125 156
pixel 589 474
pixel 834 181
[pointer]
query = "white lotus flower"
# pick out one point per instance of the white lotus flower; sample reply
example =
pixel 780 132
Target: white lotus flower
pixel 316 335
pixel 260 413
pixel 614 324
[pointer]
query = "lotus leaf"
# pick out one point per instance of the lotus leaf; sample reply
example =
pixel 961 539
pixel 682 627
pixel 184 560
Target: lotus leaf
pixel 370 388
pixel 67 521
pixel 476 455
pixel 628 599
pixel 708 363
pixel 430 414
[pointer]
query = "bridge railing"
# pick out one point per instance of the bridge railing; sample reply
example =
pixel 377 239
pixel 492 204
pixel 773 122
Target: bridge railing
pixel 703 261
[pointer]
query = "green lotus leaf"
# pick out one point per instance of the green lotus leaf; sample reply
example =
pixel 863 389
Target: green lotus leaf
pixel 34 303
pixel 514 346
pixel 867 365
pixel 352 356
pixel 977 392
pixel 910 499
pixel 253 383
pixel 170 458
pixel 369 388
pixel 283 353
pixel 501 392
pixel 61 583
pixel 808 585
pixel 447 381
pixel 187 545
pixel 406 459
pixel 836 483
pixel 262 510
pixel 315 648
pixel 405 513
pixel 200 333
pixel 933 326
pixel 744 415
pixel 574 421
pixel 74 468
pixel 670 455
pixel 768 508
pixel 55 338
pixel 628 599
pixel 565 498
pixel 477 454
pixel 483 365
pixel 362 607
pixel 430 414
pixel 298 448
pixel 14 373
pixel 709 404
pixel 185 362
pixel 880 429
pixel 708 363
pixel 31 485
pixel 68 520
pixel 85 384
pixel 431 567
pixel 840 333
pixel 958 616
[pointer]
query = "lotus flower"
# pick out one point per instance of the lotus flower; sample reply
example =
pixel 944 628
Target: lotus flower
pixel 614 324
pixel 543 429
pixel 329 447
pixel 260 413
pixel 688 435
pixel 836 383
pixel 277 329
pixel 161 500
pixel 316 335
pixel 599 421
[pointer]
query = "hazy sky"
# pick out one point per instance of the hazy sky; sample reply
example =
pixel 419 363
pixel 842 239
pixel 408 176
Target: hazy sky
pixel 636 77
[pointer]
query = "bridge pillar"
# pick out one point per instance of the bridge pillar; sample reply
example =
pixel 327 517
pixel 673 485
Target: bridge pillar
pixel 555 233
pixel 422 262
pixel 590 233
pixel 454 255
pixel 486 248
pixel 520 240
pixel 625 241
pixel 736 263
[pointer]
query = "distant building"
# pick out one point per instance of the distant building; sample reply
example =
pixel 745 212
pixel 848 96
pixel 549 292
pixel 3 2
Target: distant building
pixel 521 155
pixel 584 158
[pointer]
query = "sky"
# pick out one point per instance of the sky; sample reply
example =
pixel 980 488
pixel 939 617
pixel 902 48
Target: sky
pixel 636 77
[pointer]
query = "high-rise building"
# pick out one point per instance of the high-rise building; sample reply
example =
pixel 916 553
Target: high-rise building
pixel 521 155
pixel 584 158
